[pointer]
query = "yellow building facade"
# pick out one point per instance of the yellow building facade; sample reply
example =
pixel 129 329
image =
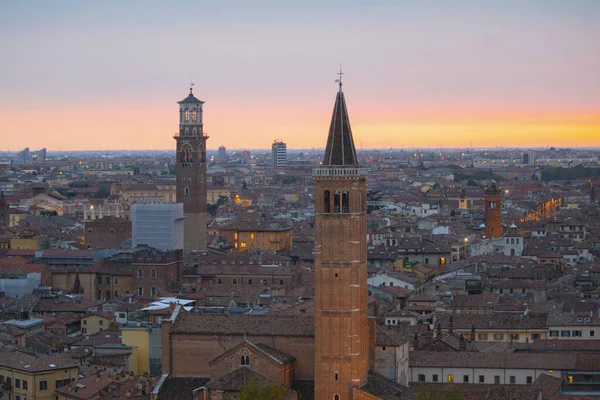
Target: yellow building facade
pixel 138 337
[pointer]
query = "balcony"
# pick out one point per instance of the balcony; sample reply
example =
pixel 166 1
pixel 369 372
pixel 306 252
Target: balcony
pixel 340 172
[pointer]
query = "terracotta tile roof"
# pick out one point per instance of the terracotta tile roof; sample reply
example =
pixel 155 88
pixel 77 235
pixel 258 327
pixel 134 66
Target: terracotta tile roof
pixel 22 361
pixel 268 325
pixel 390 336
pixel 180 388
pixel 562 361
pixel 493 321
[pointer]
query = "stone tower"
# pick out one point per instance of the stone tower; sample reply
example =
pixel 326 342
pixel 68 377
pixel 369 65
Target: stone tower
pixel 4 217
pixel 341 332
pixel 462 200
pixel 190 167
pixel 493 212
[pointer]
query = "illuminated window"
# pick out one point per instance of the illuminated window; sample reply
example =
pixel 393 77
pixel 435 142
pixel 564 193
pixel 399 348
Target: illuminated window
pixel 450 378
pixel 186 117
pixel 252 236
pixel 235 236
pixel 570 379
pixel 194 115
pixel 243 244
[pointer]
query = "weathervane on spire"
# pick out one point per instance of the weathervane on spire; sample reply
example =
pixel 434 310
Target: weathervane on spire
pixel 340 74
pixel 191 85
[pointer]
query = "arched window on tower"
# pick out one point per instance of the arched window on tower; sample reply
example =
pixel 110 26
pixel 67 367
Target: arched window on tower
pixel 186 191
pixel 202 153
pixel 194 131
pixel 336 201
pixel 194 115
pixel 326 202
pixel 186 155
pixel 345 201
pixel 247 360
pixel 186 117
pixel 187 131
pixel 336 397
pixel 242 360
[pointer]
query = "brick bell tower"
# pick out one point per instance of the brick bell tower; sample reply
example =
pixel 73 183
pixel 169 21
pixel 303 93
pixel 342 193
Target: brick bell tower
pixel 190 167
pixel 341 332
pixel 493 212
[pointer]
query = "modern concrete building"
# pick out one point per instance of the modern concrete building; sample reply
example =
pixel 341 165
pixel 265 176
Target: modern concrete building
pixel 279 153
pixel 160 226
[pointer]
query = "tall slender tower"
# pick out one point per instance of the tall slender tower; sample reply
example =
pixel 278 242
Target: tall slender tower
pixel 493 212
pixel 341 332
pixel 191 172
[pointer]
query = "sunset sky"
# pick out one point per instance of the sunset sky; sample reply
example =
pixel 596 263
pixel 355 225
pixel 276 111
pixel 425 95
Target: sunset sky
pixel 80 75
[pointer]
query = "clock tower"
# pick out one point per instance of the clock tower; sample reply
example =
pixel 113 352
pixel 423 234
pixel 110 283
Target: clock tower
pixel 190 167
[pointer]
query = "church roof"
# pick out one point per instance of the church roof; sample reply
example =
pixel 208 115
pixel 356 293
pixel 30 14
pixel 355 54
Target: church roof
pixel 340 149
pixel 191 99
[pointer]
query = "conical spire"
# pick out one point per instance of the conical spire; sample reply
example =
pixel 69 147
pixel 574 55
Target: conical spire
pixel 340 149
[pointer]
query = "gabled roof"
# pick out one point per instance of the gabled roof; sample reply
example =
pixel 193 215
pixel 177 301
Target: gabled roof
pixel 273 355
pixel 340 149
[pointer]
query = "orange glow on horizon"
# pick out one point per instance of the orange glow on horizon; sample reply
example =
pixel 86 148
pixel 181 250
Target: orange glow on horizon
pixel 112 128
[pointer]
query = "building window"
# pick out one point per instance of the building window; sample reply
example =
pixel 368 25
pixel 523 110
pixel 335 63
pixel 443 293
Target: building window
pixel 535 336
pixel 496 379
pixel 553 333
pixel 100 322
pixel 219 281
pixel 140 291
pixel 336 275
pixel 513 336
pixel 336 201
pixel 465 378
pixel 116 295
pixel 186 115
pixel 153 291
pixel 249 281
pixel 43 385
pixel 153 273
pixel 99 280
pixel 434 377
pixel 18 383
pixel 576 334
pixel 482 336
pixel 498 336
pixel 481 378
pixel 529 379
pixel 345 201
pixel 336 376
pixel 421 377
pixel 116 281
pixel 592 333
pixel 336 397
pixel 281 281
pixel 85 321
pixel 234 282
pixel 326 202
pixel 140 273
pixel 565 333
pixel 513 380
pixel 112 231
pixel 89 230
pixel 107 280
pixel 450 378
pixel 186 191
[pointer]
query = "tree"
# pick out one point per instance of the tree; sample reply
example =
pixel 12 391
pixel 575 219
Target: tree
pixel 253 390
pixel 104 191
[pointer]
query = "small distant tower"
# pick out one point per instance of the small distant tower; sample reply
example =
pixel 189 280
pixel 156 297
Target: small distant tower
pixel 190 167
pixel 462 201
pixel 493 212
pixel 279 152
pixel 4 218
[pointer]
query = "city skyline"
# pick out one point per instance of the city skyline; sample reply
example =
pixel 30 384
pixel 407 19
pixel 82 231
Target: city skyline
pixel 426 75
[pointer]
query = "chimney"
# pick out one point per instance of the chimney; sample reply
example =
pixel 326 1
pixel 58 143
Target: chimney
pixel 439 330
pixel 473 333
pixel 451 325
pixel 462 344
pixel 416 341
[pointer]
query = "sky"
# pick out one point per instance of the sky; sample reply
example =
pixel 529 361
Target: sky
pixel 77 75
